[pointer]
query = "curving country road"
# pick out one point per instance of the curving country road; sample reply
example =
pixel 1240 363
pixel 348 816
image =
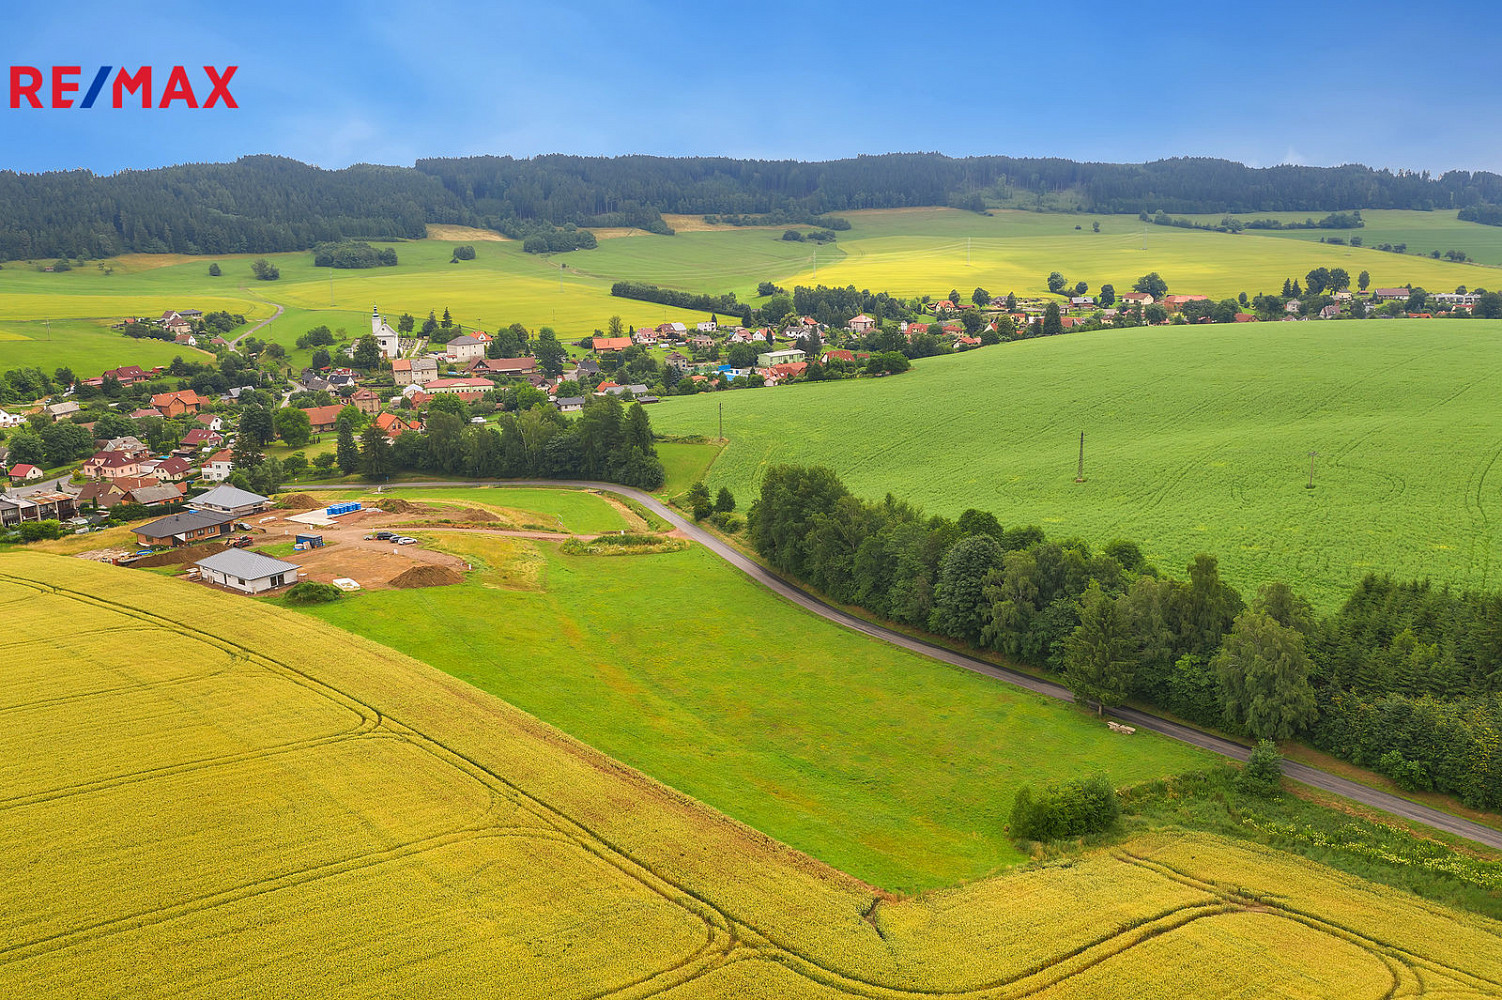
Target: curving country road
pixel 1302 773
pixel 263 323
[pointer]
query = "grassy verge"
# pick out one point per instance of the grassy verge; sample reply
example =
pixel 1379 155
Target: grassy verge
pixel 1445 870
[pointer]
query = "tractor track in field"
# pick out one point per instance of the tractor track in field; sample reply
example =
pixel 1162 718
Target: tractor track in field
pixel 1301 773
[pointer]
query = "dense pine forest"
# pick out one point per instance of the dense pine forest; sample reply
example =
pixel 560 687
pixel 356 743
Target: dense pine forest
pixel 262 204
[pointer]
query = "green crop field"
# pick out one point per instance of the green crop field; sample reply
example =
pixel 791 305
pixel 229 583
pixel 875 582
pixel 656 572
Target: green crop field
pixel 904 251
pixel 892 767
pixel 1196 440
pixel 1421 231
pixel 273 807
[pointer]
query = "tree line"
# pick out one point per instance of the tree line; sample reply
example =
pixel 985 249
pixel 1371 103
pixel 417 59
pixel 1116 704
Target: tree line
pixel 1404 678
pixel 352 254
pixel 683 300
pixel 608 441
pixel 265 204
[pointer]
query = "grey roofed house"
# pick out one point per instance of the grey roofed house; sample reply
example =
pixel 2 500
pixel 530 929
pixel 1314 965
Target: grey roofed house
pixel 230 500
pixel 589 366
pixel 245 571
pixel 183 523
pixel 148 495
pixel 638 389
pixel 570 404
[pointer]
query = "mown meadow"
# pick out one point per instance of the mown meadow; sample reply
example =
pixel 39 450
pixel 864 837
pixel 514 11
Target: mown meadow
pixel 1196 440
pixel 889 766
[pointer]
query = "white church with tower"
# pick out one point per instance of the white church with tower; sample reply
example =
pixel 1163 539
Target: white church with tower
pixel 385 337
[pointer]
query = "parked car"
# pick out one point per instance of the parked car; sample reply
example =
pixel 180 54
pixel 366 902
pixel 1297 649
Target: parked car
pixel 384 536
pixel 404 540
pixel 243 542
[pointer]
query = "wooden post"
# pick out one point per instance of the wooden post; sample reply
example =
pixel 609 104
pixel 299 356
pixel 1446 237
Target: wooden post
pixel 1312 456
pixel 1079 476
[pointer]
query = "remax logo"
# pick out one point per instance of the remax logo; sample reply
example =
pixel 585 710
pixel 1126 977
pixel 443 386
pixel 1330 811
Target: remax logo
pixel 59 87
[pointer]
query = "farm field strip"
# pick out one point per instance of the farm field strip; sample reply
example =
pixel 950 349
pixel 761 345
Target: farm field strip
pixel 493 848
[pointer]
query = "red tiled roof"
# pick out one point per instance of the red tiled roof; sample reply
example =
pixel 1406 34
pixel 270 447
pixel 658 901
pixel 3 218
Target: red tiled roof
pixel 320 415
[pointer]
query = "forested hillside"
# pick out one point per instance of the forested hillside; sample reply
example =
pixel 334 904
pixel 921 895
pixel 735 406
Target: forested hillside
pixel 262 204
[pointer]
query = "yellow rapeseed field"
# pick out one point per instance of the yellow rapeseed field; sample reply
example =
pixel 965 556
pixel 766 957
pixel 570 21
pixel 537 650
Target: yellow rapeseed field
pixel 206 796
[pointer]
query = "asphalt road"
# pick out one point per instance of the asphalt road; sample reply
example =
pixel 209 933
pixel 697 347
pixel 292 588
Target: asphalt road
pixel 1301 773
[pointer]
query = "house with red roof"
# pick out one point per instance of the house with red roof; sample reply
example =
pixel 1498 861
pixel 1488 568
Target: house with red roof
pixel 173 470
pixel 323 418
pixel 395 426
pixel 23 473
pixel 218 467
pixel 611 343
pixel 175 404
pixel 459 386
pixel 202 437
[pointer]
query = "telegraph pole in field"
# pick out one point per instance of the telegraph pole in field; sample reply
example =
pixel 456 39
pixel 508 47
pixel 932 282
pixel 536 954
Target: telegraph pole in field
pixel 1312 456
pixel 1079 476
pixel 722 421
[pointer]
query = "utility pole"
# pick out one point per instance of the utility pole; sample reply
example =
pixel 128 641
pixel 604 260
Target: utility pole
pixel 1312 456
pixel 722 422
pixel 1079 476
pixel 331 286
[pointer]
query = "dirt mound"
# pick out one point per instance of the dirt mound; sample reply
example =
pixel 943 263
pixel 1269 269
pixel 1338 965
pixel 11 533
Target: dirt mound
pixel 396 505
pixel 176 557
pixel 477 516
pixel 299 501
pixel 426 576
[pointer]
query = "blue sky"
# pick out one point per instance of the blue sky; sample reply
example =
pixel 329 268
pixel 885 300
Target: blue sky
pixel 334 83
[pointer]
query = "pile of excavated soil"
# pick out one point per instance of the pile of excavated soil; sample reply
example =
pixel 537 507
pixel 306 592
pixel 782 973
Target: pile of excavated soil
pixel 300 501
pixel 396 505
pixel 426 575
pixel 176 557
pixel 477 516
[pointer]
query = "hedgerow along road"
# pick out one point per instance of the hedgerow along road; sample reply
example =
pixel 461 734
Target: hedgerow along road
pixel 1301 773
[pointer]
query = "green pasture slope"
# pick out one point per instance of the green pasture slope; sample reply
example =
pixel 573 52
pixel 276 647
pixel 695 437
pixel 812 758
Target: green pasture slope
pixel 1196 440
pixel 1421 231
pixel 886 765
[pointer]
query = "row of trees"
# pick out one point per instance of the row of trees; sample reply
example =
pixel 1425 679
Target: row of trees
pixel 1114 628
pixel 608 441
pixel 673 297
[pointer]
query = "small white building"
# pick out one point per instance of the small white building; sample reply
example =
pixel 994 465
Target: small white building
pixel 11 420
pixel 385 337
pixel 247 572
pixel 786 356
pixel 218 467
